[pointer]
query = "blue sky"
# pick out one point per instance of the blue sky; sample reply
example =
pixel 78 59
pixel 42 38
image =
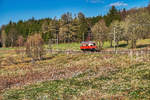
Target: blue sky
pixel 15 10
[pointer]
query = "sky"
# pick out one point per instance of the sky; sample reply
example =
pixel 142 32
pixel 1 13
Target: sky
pixel 16 10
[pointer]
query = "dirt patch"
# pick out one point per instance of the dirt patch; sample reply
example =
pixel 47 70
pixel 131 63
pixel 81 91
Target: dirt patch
pixel 33 77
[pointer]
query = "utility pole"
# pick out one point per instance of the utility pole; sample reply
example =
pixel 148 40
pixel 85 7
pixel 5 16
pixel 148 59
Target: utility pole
pixel 56 42
pixel 83 37
pixel 114 39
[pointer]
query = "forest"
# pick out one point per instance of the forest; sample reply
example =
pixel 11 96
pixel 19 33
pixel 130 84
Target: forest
pixel 128 25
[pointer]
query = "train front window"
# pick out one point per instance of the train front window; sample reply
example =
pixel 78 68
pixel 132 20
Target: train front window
pixel 84 44
pixel 92 44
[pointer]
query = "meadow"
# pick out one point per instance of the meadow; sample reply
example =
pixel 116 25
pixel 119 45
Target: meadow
pixel 122 45
pixel 79 76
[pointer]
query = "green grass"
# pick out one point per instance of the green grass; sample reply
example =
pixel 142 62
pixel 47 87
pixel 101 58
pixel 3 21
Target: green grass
pixel 7 48
pixel 72 46
pixel 76 46
pixel 67 46
pixel 122 45
pixel 105 77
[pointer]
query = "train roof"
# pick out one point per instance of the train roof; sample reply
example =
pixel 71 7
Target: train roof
pixel 87 42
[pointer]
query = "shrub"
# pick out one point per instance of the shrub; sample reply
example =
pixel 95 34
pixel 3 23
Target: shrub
pixel 34 46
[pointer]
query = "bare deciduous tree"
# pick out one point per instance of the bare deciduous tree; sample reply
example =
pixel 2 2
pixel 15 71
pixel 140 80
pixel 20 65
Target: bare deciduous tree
pixel 20 41
pixel 20 44
pixel 119 30
pixel 3 38
pixel 12 36
pixel 137 26
pixel 34 46
pixel 100 32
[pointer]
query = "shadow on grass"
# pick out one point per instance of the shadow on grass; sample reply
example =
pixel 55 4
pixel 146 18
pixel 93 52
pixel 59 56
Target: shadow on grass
pixel 142 46
pixel 138 46
pixel 42 59
pixel 34 60
pixel 123 45
pixel 120 45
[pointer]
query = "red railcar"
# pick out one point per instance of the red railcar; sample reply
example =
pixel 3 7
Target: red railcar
pixel 88 46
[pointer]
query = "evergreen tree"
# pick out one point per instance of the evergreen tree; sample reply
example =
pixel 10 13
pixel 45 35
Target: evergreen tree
pixel 83 27
pixel 54 28
pixel 112 15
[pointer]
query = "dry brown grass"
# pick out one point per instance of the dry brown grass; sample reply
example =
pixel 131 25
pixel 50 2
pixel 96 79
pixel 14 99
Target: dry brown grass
pixel 91 72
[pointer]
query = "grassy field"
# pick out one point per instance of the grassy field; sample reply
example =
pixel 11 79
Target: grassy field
pixel 73 46
pixel 122 45
pixel 77 77
pixel 76 46
pixel 67 46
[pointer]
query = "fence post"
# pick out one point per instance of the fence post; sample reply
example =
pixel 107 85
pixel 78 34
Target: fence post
pixel 131 54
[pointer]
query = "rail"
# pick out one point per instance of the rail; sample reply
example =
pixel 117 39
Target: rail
pixel 104 51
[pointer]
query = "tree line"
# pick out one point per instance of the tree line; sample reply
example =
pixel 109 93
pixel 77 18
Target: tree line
pixel 128 25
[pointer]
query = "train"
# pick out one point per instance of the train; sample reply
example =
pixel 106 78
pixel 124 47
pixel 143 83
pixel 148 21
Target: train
pixel 88 46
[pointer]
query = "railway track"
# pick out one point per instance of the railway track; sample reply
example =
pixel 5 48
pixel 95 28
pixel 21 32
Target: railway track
pixel 104 51
pixel 141 51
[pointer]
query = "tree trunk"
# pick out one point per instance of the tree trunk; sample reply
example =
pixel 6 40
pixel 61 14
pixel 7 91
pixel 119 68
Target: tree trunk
pixel 12 42
pixel 100 45
pixel 133 44
pixel 58 38
pixel 117 43
pixel 3 45
pixel 111 43
pixel 127 42
pixel 3 38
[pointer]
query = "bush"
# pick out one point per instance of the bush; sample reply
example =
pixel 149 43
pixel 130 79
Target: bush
pixel 20 44
pixel 20 41
pixel 34 46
